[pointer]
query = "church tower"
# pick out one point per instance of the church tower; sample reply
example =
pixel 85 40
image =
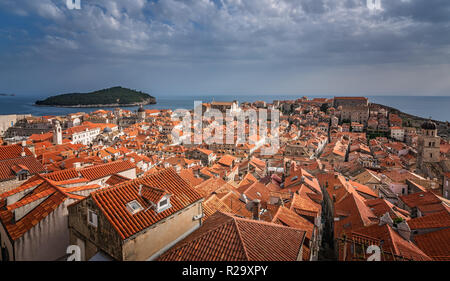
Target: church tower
pixel 429 144
pixel 57 133
pixel 141 114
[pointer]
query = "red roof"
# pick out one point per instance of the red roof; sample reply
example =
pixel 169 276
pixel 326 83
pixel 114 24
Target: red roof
pixel 224 237
pixel 116 179
pixel 17 229
pixel 8 167
pixel 46 193
pixel 112 201
pixel 13 151
pixel 63 175
pixel 393 242
pixel 101 171
pixel 436 220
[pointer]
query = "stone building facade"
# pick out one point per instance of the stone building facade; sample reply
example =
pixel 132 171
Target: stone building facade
pixel 428 145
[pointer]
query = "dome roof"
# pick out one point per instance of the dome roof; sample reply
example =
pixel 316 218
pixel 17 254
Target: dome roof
pixel 429 125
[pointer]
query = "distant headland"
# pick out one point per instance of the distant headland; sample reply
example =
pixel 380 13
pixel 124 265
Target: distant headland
pixel 111 97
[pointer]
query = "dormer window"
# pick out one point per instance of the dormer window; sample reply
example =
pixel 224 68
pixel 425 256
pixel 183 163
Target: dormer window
pixel 158 199
pixel 163 204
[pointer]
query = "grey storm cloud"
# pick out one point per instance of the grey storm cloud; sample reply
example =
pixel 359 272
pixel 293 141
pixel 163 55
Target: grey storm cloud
pixel 249 34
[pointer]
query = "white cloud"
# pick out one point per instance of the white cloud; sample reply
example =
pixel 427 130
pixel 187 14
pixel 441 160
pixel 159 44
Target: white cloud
pixel 281 34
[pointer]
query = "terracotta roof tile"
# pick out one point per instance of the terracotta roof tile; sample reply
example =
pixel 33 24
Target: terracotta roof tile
pixel 435 244
pixel 393 242
pixel 224 237
pixel 112 201
pixel 100 171
pixel 437 220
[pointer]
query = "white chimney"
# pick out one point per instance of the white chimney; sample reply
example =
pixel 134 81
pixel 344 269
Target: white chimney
pixel 140 190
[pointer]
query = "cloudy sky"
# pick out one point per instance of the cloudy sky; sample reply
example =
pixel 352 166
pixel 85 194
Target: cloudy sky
pixel 309 47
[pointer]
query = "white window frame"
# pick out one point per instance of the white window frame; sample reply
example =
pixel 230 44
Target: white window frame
pixel 160 205
pixel 94 221
pixel 161 208
pixel 132 210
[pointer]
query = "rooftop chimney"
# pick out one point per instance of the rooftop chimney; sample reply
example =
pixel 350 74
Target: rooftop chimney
pixel 256 209
pixel 140 190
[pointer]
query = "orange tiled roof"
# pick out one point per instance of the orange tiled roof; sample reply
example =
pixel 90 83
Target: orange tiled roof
pixel 6 167
pixel 209 186
pixel 435 244
pixel 224 237
pixel 231 199
pixel 13 151
pixel 213 204
pixel 62 175
pixel 116 179
pixel 353 212
pixel 112 201
pixel 380 206
pixel 100 171
pixel 437 220
pixel 419 199
pixel 17 229
pixel 189 176
pixel 393 242
pixel 46 193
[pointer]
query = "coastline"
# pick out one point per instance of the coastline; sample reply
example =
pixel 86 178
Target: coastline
pixel 98 105
pixel 416 121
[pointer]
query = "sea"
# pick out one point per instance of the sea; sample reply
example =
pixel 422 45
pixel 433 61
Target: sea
pixel 436 107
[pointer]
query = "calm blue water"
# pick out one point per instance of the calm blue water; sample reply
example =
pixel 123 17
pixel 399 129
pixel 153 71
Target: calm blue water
pixel 436 107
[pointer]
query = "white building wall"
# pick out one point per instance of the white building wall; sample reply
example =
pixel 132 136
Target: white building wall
pixel 48 240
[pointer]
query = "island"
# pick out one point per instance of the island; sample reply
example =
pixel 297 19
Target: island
pixel 111 97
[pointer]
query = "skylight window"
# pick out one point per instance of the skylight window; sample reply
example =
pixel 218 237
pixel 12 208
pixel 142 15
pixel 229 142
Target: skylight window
pixel 294 178
pixel 134 207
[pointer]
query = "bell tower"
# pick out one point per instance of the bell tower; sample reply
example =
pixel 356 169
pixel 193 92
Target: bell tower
pixel 57 133
pixel 429 144
pixel 141 114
